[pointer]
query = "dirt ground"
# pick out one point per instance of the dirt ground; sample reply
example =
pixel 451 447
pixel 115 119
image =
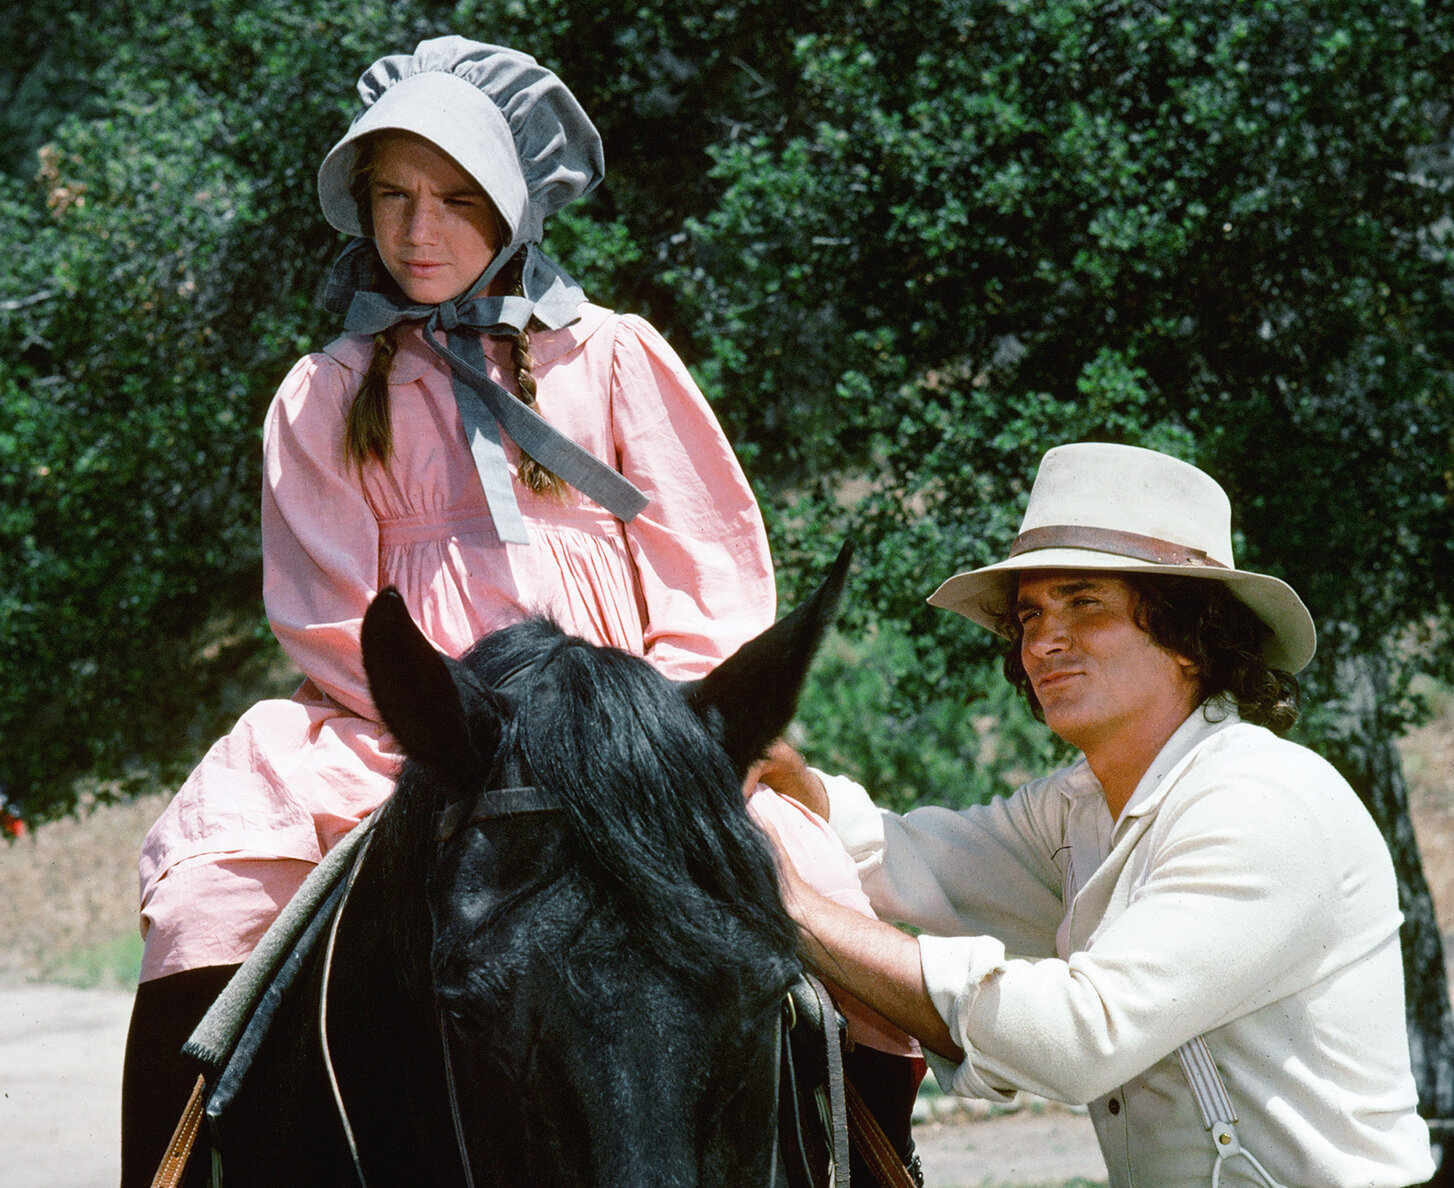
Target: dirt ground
pixel 66 914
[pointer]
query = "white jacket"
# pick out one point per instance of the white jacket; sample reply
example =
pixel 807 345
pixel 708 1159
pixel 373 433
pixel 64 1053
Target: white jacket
pixel 1244 895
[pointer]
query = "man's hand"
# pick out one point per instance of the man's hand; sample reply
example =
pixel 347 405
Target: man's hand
pixel 873 961
pixel 786 772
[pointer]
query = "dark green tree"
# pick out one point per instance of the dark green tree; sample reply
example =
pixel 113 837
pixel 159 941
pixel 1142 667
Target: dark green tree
pixel 1222 230
pixel 906 247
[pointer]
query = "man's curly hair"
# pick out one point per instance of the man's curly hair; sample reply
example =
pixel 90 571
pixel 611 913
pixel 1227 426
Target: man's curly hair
pixel 1201 620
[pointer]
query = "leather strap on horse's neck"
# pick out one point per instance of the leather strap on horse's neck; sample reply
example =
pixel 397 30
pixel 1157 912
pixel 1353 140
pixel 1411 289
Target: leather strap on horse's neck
pixel 324 1051
pixel 174 1161
pixel 851 1119
pixel 837 1106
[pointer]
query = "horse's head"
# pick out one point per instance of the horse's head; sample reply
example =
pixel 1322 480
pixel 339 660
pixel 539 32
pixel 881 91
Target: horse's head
pixel 608 945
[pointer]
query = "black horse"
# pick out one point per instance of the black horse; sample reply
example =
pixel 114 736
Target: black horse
pixel 562 956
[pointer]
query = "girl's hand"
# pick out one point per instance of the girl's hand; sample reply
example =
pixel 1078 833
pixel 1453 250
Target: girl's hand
pixel 787 773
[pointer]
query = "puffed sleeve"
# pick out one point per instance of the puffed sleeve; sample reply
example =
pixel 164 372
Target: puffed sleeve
pixel 320 536
pixel 699 546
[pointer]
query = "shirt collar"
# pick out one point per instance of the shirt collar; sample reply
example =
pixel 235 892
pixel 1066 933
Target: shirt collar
pixel 1209 718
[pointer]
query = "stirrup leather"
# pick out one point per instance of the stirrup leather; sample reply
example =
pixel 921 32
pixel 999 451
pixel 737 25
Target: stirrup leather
pixel 174 1161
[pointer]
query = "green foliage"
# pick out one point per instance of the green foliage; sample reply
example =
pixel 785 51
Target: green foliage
pixel 958 751
pixel 1217 229
pixel 906 247
pixel 112 963
pixel 152 299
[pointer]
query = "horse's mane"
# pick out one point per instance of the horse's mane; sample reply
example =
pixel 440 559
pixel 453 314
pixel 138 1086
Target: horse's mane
pixel 659 831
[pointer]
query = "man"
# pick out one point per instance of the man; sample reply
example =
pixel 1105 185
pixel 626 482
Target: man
pixel 1193 928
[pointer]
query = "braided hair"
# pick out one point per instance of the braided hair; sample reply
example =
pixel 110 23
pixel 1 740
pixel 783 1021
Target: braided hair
pixel 368 432
pixel 535 476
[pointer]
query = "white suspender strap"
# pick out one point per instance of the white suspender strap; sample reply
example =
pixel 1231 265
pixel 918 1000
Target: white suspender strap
pixel 1218 1116
pixel 1211 1095
pixel 1206 1082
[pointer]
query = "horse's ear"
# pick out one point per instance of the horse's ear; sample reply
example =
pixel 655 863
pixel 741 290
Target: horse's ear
pixel 749 699
pixel 425 698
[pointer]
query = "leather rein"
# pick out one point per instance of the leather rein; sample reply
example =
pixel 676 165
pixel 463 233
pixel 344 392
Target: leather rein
pixel 491 804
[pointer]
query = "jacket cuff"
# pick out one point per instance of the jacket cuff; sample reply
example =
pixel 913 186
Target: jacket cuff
pixel 955 969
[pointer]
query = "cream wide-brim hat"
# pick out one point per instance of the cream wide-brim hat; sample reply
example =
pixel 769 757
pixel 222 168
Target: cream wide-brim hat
pixel 1123 510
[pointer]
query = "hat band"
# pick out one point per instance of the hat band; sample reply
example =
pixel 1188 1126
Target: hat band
pixel 1110 540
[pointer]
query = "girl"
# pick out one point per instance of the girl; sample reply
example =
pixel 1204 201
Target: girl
pixel 611 502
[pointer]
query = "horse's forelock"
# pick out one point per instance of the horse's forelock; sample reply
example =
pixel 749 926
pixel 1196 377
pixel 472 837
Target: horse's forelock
pixel 659 831
pixel 655 803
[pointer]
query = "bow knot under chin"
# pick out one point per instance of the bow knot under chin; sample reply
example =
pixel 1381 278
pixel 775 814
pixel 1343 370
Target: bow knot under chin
pixel 485 407
pixel 448 314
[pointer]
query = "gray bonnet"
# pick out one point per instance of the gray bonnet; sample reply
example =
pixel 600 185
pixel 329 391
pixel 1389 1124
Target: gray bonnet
pixel 507 121
pixel 513 126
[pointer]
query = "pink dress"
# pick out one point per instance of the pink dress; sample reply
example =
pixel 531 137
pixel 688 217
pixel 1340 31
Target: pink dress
pixel 683 584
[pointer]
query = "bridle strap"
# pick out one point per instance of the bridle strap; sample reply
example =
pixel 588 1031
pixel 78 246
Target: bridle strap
pixel 460 1141
pixel 492 804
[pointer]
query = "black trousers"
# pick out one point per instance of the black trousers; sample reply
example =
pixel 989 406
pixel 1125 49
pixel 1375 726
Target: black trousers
pixel 888 1085
pixel 157 1079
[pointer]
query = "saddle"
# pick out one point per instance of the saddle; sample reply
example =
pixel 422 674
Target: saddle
pixel 820 1112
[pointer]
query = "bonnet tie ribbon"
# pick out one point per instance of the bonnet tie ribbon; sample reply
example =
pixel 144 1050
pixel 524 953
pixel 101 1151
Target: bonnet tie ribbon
pixel 485 407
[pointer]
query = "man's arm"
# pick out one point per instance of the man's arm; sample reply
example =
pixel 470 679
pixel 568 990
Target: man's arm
pixel 873 961
pixel 987 870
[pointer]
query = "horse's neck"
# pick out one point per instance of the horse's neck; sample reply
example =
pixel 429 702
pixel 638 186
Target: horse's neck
pixel 384 1033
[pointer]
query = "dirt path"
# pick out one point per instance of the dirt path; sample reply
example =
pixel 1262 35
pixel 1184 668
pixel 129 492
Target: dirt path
pixel 60 1077
pixel 1041 1146
pixel 60 1085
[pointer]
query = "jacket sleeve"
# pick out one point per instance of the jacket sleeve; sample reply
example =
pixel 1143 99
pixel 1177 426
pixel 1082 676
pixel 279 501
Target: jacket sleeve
pixel 320 535
pixel 995 869
pixel 1238 898
pixel 699 546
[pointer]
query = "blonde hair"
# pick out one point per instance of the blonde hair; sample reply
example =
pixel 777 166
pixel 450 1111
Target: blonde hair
pixel 368 431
